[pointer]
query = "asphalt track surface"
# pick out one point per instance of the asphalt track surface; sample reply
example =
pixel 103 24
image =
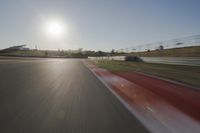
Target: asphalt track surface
pixel 58 96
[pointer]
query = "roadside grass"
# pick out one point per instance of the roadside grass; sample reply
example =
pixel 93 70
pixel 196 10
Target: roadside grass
pixel 193 51
pixel 185 74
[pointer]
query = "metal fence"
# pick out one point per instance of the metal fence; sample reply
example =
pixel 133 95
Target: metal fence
pixel 174 43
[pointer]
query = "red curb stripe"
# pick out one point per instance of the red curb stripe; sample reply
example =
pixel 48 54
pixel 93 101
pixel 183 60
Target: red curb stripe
pixel 184 98
pixel 154 110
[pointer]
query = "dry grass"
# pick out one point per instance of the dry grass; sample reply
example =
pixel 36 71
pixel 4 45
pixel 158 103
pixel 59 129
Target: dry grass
pixel 185 74
pixel 176 52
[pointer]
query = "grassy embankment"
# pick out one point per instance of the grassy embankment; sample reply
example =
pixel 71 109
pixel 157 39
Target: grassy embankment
pixel 176 52
pixel 185 74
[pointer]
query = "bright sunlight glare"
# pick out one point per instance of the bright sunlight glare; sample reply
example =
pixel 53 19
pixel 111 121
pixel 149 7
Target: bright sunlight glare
pixel 55 28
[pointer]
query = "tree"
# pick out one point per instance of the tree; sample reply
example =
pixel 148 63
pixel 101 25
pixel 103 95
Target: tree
pixel 112 52
pixel 161 47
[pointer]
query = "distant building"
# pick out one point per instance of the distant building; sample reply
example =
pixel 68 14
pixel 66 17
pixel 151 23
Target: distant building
pixel 14 48
pixel 25 49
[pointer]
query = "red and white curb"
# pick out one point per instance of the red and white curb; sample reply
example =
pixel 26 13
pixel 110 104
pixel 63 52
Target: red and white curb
pixel 151 110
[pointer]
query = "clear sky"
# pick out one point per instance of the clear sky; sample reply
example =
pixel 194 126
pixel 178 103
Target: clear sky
pixel 97 24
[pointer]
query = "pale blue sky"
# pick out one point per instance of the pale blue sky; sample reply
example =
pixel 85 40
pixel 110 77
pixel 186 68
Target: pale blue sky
pixel 97 24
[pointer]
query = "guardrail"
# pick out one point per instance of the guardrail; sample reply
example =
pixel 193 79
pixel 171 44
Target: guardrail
pixel 191 61
pixel 117 58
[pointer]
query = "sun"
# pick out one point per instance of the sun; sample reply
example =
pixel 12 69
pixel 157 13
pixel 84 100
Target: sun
pixel 55 28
